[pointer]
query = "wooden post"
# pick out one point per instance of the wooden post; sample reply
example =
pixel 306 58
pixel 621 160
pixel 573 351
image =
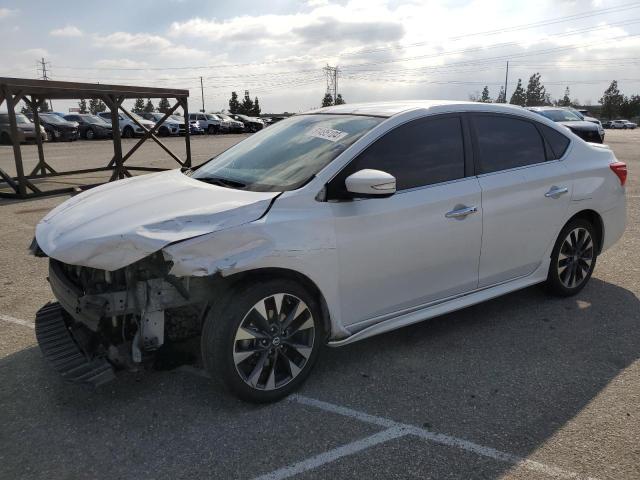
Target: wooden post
pixel 114 104
pixel 187 130
pixel 35 104
pixel 17 153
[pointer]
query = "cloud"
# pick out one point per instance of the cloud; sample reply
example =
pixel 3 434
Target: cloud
pixel 132 41
pixel 331 30
pixel 7 12
pixel 35 52
pixel 68 31
pixel 119 63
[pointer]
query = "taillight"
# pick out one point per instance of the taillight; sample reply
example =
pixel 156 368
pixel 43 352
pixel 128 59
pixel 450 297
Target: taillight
pixel 620 169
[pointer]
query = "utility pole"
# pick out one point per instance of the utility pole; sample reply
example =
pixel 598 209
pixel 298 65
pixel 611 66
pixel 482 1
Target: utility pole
pixel 331 74
pixel 202 93
pixel 45 76
pixel 506 79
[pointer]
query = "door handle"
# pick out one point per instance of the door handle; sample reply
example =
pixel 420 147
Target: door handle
pixel 555 192
pixel 461 212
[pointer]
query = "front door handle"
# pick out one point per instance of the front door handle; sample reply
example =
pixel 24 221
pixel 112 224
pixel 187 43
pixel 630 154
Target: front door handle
pixel 461 212
pixel 555 192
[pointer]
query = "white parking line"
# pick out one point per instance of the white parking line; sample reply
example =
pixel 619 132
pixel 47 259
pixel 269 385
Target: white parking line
pixel 16 321
pixel 334 454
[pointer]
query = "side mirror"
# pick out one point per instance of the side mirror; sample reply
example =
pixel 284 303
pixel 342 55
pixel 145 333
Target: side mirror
pixel 370 183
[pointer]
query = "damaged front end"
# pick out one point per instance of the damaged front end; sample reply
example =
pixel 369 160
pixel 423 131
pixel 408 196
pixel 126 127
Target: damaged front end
pixel 119 319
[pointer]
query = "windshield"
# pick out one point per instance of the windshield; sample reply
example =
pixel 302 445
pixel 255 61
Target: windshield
pixel 287 155
pixel 177 118
pixel 560 115
pixel 20 118
pixel 51 118
pixel 211 117
pixel 93 119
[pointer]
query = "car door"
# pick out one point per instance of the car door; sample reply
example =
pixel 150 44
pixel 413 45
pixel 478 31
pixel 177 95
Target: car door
pixel 525 195
pixel 421 244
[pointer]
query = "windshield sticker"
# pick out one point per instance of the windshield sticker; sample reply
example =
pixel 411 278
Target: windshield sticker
pixel 327 134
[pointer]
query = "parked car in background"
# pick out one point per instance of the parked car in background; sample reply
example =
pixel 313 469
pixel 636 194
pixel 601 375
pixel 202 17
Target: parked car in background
pixel 235 126
pixel 588 131
pixel 170 126
pixel 58 129
pixel 26 129
pixel 208 123
pixel 329 227
pixel 251 124
pixel 128 128
pixel 90 126
pixel 624 124
pixel 606 124
pixel 224 126
pixel 584 115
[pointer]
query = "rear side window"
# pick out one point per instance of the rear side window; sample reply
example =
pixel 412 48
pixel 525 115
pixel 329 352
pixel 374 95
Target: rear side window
pixel 507 142
pixel 422 152
pixel 558 143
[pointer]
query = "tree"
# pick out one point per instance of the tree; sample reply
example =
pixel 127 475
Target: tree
pixel 327 101
pixel 518 97
pixel 25 110
pixel 566 100
pixel 96 106
pixel 485 98
pixel 630 106
pixel 536 94
pixel 45 107
pixel 234 104
pixel 339 100
pixel 246 107
pixel 138 107
pixel 502 96
pixel 149 108
pixel 164 106
pixel 611 101
pixel 82 105
pixel 256 108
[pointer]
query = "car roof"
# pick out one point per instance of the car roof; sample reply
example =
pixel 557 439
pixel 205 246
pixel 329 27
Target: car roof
pixel 389 109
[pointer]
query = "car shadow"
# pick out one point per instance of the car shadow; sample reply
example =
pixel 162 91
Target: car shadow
pixel 508 374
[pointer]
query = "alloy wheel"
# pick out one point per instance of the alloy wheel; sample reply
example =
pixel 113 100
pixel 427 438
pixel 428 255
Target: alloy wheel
pixel 575 257
pixel 274 341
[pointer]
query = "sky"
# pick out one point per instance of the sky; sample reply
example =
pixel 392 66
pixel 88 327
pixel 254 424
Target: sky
pixel 385 50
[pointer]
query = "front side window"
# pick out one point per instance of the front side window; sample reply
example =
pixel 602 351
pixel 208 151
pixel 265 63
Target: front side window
pixel 422 152
pixel 287 155
pixel 506 142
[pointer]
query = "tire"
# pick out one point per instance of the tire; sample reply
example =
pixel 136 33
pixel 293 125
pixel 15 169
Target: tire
pixel 163 131
pixel 573 258
pixel 211 130
pixel 89 134
pixel 257 356
pixel 5 139
pixel 127 132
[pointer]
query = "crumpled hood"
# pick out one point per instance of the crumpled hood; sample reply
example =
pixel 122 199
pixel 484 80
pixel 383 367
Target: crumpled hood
pixel 116 224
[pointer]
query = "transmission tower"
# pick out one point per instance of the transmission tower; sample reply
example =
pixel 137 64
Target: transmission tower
pixel 331 74
pixel 42 69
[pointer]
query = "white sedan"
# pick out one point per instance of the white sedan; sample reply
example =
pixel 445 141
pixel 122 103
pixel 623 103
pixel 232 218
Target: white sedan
pixel 625 124
pixel 328 227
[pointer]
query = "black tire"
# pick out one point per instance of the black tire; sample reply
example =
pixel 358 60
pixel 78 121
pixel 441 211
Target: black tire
pixel 561 281
pixel 127 132
pixel 89 134
pixel 211 130
pixel 220 344
pixel 5 139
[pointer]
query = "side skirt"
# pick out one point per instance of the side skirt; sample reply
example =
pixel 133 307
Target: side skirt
pixel 441 308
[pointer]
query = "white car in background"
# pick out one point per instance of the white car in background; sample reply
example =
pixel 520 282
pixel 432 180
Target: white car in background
pixel 170 126
pixel 625 124
pixel 327 227
pixel 128 128
pixel 209 123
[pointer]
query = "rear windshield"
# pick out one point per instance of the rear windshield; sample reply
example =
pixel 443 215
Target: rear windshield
pixel 286 155
pixel 560 115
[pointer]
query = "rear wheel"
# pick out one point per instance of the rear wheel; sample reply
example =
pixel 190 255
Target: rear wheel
pixel 5 139
pixel 127 132
pixel 211 130
pixel 573 258
pixel 264 343
pixel 89 134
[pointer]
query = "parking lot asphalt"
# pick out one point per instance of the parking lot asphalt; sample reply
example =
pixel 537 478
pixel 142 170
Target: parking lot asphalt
pixel 521 387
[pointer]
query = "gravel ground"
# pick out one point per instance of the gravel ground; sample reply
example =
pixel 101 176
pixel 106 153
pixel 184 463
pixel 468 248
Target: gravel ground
pixel 552 381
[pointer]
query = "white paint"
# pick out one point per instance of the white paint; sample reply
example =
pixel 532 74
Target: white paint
pixel 16 321
pixel 439 438
pixel 334 454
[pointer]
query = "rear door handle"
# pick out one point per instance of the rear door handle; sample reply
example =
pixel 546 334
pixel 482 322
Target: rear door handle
pixel 461 212
pixel 555 192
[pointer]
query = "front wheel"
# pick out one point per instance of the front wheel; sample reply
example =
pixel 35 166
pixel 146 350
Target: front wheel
pixel 127 132
pixel 264 343
pixel 573 258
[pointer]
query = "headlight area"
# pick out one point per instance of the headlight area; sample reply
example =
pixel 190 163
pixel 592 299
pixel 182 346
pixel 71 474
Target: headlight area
pixel 126 318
